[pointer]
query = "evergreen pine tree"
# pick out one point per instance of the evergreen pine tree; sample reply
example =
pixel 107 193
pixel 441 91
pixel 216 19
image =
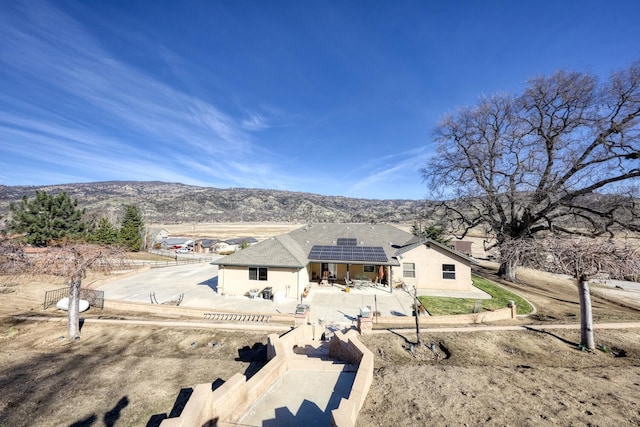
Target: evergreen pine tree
pixel 105 232
pixel 47 218
pixel 131 229
pixel 432 232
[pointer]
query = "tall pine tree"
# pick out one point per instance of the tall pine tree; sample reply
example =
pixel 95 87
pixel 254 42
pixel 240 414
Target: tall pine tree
pixel 131 229
pixel 105 232
pixel 47 218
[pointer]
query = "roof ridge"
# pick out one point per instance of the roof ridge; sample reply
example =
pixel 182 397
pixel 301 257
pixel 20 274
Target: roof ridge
pixel 290 240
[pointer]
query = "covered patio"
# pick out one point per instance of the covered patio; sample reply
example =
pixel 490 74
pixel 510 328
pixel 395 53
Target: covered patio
pixel 334 272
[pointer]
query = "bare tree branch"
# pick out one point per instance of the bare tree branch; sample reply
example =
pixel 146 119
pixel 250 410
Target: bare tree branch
pixel 542 161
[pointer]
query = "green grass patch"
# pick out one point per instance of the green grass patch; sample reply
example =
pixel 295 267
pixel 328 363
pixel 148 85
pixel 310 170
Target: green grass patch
pixel 500 297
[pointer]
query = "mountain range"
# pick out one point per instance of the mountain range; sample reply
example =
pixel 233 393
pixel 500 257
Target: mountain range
pixel 164 203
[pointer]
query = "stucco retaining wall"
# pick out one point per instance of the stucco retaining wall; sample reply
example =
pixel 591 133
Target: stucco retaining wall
pixel 349 348
pixel 172 311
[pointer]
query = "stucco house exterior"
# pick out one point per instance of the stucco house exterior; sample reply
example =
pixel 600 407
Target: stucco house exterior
pixel 342 253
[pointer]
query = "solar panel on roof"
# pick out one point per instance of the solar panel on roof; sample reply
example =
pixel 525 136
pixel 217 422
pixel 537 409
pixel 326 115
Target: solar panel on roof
pixel 373 254
pixel 347 241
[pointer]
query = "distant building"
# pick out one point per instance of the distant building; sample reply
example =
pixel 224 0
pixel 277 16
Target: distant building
pixel 205 246
pixel 157 236
pixel 176 243
pixel 462 246
pixel 232 245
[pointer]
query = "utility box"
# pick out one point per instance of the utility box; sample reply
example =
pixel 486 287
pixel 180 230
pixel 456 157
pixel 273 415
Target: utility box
pixel 302 314
pixel 365 312
pixel 302 309
pixel 267 293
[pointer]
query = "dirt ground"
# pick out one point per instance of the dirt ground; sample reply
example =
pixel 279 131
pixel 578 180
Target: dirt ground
pixel 504 378
pixel 114 375
pixel 137 375
pixel 512 378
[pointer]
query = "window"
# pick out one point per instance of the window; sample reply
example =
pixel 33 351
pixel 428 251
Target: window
pixel 448 271
pixel 409 269
pixel 369 268
pixel 258 273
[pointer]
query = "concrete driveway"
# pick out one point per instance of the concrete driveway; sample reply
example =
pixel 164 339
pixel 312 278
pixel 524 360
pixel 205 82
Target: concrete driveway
pixel 196 281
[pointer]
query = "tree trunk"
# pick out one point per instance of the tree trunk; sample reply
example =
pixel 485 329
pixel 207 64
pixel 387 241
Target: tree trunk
pixel 586 315
pixel 508 270
pixel 74 308
pixel 416 306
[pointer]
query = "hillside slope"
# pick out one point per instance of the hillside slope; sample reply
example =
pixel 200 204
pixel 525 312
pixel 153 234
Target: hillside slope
pixel 163 202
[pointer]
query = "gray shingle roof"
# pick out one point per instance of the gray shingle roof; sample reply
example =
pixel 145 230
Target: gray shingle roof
pixel 291 250
pixel 280 251
pixel 415 242
pixel 388 237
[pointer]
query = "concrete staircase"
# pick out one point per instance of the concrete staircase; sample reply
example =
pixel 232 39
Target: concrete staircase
pixel 314 356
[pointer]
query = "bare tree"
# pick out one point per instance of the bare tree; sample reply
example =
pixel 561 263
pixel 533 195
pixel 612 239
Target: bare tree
pixel 72 261
pixel 541 162
pixel 13 260
pixel 581 258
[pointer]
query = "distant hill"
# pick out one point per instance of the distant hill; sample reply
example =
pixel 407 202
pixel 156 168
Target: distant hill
pixel 165 203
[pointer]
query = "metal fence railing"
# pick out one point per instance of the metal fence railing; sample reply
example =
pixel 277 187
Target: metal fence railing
pixel 93 296
pixel 159 264
pixel 52 297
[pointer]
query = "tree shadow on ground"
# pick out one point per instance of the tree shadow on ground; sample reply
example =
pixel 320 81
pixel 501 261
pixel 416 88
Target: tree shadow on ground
pixel 110 417
pixel 543 331
pixel 406 340
pixel 38 380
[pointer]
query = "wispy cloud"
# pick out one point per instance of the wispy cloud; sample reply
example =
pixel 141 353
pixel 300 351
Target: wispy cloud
pixel 88 112
pixel 388 170
pixel 255 122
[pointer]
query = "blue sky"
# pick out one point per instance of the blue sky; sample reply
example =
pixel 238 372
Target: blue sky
pixel 330 97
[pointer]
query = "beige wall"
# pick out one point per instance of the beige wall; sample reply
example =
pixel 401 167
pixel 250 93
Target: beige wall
pixel 234 280
pixel 354 271
pixel 428 266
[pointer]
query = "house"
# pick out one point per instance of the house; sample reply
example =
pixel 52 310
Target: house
pixel 462 246
pixel 205 246
pixel 231 245
pixel 341 253
pixel 176 243
pixel 157 236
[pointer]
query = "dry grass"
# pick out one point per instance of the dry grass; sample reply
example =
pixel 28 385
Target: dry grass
pixel 228 230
